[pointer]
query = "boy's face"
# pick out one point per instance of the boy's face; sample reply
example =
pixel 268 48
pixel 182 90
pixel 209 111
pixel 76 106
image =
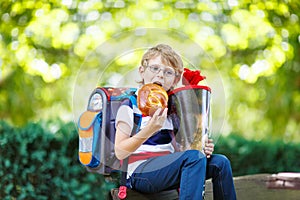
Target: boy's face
pixel 157 72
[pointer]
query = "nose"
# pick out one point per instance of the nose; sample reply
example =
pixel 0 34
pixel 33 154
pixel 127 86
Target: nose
pixel 160 73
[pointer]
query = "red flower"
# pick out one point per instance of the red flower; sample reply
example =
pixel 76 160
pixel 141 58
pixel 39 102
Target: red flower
pixel 192 77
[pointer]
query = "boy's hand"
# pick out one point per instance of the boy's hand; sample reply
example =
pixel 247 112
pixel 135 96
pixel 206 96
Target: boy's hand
pixel 208 147
pixel 157 120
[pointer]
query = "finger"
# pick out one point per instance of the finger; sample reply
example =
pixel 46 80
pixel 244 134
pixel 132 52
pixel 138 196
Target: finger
pixel 157 112
pixel 165 112
pixel 209 145
pixel 207 149
pixel 210 140
pixel 207 153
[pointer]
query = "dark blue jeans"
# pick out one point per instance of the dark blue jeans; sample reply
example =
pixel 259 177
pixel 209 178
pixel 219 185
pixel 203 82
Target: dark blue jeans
pixel 185 170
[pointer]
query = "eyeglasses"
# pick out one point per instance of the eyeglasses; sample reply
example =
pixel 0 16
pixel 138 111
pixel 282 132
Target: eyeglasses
pixel 168 71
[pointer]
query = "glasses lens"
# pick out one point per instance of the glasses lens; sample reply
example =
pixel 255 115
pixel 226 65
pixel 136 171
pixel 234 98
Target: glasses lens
pixel 154 68
pixel 169 72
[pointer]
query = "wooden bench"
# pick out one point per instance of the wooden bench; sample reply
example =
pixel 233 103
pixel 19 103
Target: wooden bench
pixel 249 187
pixel 133 195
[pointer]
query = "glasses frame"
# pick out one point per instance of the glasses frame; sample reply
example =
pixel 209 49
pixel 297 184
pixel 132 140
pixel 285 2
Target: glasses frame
pixel 164 70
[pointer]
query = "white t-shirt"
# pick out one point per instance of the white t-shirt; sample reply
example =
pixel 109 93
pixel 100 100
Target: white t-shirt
pixel 125 114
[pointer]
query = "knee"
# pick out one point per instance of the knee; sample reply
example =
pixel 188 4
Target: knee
pixel 221 161
pixel 194 155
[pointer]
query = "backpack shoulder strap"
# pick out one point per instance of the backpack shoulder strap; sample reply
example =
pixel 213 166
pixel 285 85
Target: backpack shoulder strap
pixel 131 101
pixel 137 118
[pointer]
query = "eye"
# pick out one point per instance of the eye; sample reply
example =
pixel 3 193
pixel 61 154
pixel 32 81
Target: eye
pixel 155 68
pixel 169 73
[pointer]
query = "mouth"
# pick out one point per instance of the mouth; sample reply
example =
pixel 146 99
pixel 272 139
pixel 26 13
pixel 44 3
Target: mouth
pixel 158 83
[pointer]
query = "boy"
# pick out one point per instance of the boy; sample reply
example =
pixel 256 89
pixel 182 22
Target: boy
pixel 153 164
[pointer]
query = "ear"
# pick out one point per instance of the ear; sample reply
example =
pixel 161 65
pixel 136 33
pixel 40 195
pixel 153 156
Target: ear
pixel 141 71
pixel 176 81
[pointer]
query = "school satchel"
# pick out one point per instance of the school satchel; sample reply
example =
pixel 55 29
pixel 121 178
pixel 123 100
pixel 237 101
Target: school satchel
pixel 284 180
pixel 96 128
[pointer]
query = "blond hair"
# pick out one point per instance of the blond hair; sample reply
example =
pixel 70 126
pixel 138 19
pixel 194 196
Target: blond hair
pixel 168 57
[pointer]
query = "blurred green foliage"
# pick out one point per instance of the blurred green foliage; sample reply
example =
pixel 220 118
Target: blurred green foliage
pixel 40 161
pixel 252 157
pixel 254 44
